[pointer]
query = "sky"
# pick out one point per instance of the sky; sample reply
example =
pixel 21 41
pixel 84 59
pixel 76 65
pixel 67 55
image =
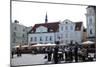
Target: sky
pixel 29 14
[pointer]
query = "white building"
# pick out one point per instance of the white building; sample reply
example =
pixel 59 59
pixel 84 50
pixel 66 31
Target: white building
pixel 43 33
pixel 70 31
pixel 91 22
pixel 19 34
pixel 51 32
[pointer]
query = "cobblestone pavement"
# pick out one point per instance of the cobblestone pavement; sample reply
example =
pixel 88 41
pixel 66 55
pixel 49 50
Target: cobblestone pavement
pixel 28 59
pixel 32 59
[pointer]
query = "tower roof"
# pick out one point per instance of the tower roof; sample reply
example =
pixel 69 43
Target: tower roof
pixel 46 18
pixel 91 6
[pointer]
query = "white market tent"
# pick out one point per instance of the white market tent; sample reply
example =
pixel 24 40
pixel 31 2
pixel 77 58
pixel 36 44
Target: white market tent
pixel 37 45
pixel 88 42
pixel 22 46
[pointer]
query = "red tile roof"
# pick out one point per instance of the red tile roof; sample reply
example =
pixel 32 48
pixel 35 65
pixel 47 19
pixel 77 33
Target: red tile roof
pixel 54 26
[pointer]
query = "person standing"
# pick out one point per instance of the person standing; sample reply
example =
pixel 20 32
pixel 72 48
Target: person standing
pixel 49 54
pixel 70 54
pixel 66 54
pixel 84 54
pixel 60 54
pixel 17 52
pixel 55 55
pixel 12 53
pixel 76 53
pixel 20 50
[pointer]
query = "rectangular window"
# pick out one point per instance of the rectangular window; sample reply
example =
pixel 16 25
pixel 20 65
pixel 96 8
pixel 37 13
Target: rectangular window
pixel 61 36
pixel 62 28
pixel 23 35
pixel 66 27
pixel 40 38
pixel 46 38
pixel 23 30
pixel 14 40
pixel 35 38
pixel 15 28
pixel 91 31
pixel 14 34
pixel 31 39
pixel 50 38
pixel 71 27
pixel 66 35
pixel 90 21
pixel 58 37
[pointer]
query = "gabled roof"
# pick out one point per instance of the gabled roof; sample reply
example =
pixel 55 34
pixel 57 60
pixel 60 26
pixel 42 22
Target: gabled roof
pixel 54 26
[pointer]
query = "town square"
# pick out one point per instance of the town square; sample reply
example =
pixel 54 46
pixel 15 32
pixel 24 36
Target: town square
pixel 53 42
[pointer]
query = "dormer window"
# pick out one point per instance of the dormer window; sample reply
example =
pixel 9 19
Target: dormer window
pixel 66 22
pixel 77 28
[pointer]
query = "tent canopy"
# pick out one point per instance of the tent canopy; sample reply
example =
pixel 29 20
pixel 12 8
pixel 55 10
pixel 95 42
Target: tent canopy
pixel 44 45
pixel 22 46
pixel 88 42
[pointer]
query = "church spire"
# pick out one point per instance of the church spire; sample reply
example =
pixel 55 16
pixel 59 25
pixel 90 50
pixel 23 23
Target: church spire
pixel 46 18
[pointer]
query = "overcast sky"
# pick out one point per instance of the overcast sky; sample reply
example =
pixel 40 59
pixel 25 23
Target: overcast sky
pixel 29 14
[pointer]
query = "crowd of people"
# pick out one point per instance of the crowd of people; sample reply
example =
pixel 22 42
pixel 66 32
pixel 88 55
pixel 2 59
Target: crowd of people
pixel 62 53
pixel 68 54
